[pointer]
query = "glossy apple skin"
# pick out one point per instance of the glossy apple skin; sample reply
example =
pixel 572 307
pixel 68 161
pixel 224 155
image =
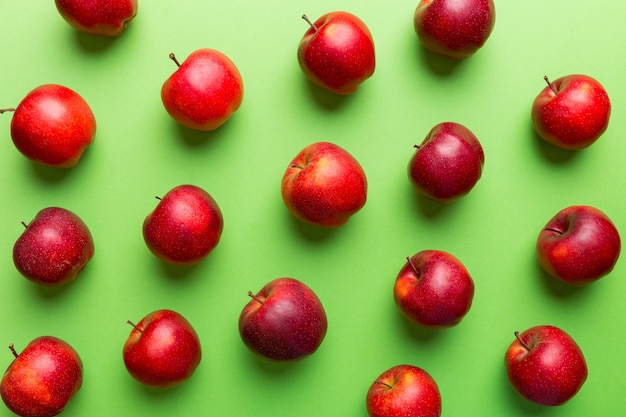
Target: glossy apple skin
pixel 337 53
pixel 324 185
pixel 204 91
pixel 53 125
pixel 185 226
pixel 454 28
pixel 547 367
pixel 573 117
pixel 54 248
pixel 42 379
pixel 163 350
pixel 402 391
pixel 434 289
pixel 447 164
pixel 98 17
pixel 284 321
pixel 579 245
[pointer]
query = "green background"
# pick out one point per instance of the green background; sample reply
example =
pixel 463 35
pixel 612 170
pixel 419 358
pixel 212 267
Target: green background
pixel 140 152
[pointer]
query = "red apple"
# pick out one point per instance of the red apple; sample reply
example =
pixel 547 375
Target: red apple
pixel 337 52
pixel 204 91
pixel 54 248
pixel 42 379
pixel 448 163
pixel 434 289
pixel 454 28
pixel 185 226
pixel 162 350
pixel 572 112
pixel 404 391
pixel 324 185
pixel 284 321
pixel 545 365
pixel 579 245
pixel 98 17
pixel 53 126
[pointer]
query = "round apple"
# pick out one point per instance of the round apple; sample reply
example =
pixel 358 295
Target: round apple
pixel 162 350
pixel 54 248
pixel 454 28
pixel 404 390
pixel 337 52
pixel 448 163
pixel 434 289
pixel 284 321
pixel 545 365
pixel 204 91
pixel 52 125
pixel 572 112
pixel 98 17
pixel 579 245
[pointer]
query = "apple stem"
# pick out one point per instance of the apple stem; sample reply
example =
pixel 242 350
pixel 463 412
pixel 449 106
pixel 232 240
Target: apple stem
pixel 296 166
pixel 251 295
pixel 24 224
pixel 413 267
pixel 416 146
pixel 553 230
pixel 6 110
pixel 12 348
pixel 519 339
pixel 383 383
pixel 135 326
pixel 552 87
pixel 306 18
pixel 157 197
pixel 173 58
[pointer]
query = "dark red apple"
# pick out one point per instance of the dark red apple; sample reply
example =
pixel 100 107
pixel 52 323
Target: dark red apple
pixel 162 350
pixel 337 52
pixel 454 28
pixel 52 125
pixel 284 321
pixel 403 391
pixel 185 226
pixel 579 245
pixel 204 91
pixel 42 379
pixel 54 248
pixel 448 163
pixel 434 289
pixel 324 185
pixel 98 17
pixel 572 112
pixel 545 365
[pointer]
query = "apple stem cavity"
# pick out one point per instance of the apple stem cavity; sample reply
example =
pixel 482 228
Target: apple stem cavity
pixel 173 58
pixel 134 326
pixel 7 110
pixel 413 267
pixel 519 339
pixel 251 295
pixel 552 87
pixel 13 351
pixel 306 18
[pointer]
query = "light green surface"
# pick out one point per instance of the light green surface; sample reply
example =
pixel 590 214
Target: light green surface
pixel 140 152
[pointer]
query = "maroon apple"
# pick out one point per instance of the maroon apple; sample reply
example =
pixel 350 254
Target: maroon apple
pixel 185 226
pixel 434 289
pixel 545 365
pixel 337 52
pixel 54 248
pixel 162 350
pixel 448 163
pixel 204 91
pixel 284 321
pixel 579 245
pixel 98 17
pixel 42 379
pixel 52 125
pixel 572 112
pixel 454 28
pixel 324 185
pixel 403 391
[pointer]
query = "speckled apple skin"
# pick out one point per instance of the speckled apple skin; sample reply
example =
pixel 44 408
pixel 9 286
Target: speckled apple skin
pixel 579 245
pixel 447 164
pixel 324 185
pixel 440 294
pixel 42 379
pixel 53 125
pixel 554 369
pixel 454 28
pixel 284 321
pixel 98 17
pixel 204 91
pixel 404 391
pixel 340 54
pixel 576 116
pixel 54 248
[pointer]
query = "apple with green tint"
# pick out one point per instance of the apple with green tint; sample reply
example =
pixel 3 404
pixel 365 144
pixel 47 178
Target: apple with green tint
pixel 98 17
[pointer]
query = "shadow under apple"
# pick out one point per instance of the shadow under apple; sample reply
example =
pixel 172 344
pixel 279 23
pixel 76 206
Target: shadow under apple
pixel 415 331
pixel 326 99
pixel 561 289
pixel 312 233
pixel 552 153
pixel 49 174
pixel 437 64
